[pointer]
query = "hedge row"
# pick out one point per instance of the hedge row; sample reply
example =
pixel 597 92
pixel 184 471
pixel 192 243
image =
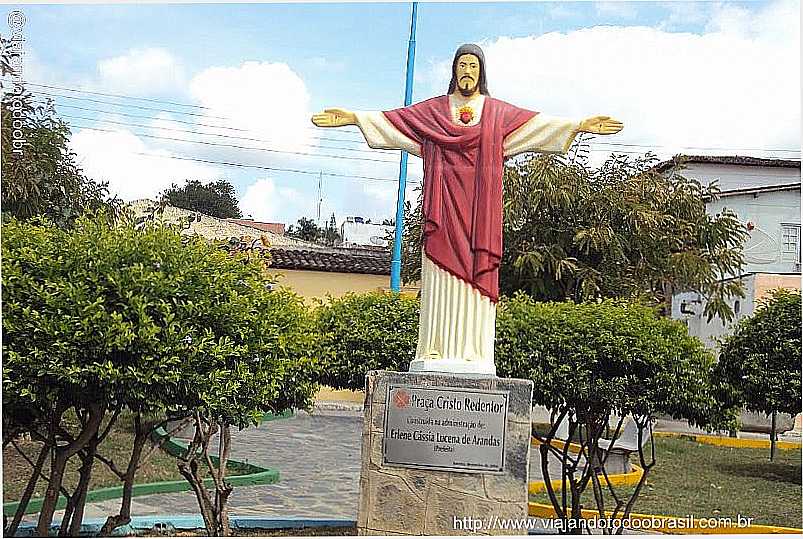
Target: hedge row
pixel 589 358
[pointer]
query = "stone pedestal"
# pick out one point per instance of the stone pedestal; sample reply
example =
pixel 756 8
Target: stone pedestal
pixel 465 470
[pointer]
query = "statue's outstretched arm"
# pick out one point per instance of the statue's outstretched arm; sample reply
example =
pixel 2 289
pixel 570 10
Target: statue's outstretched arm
pixel 334 118
pixel 378 132
pixel 600 125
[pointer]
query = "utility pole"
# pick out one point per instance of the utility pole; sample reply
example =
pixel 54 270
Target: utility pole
pixel 320 196
pixel 395 264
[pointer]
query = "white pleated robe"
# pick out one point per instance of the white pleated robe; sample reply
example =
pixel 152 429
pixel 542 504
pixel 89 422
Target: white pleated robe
pixel 457 323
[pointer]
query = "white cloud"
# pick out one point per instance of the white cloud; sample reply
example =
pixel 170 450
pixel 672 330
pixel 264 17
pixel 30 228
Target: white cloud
pixel 264 200
pixel 734 86
pixel 269 100
pixel 779 22
pixel 113 157
pixel 141 72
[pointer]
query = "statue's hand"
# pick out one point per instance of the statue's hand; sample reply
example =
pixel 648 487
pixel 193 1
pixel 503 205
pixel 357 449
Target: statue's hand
pixel 600 125
pixel 334 118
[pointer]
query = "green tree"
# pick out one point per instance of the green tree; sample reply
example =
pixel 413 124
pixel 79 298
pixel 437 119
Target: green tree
pixel 307 230
pixel 412 240
pixel 218 198
pixel 41 175
pixel 331 235
pixel 591 360
pixel 620 231
pixel 98 320
pixel 759 363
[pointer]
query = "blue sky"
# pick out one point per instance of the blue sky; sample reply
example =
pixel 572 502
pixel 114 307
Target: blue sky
pixel 720 78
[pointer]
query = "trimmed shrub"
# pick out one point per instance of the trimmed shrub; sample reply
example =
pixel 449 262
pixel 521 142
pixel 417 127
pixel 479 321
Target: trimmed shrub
pixel 365 332
pixel 606 357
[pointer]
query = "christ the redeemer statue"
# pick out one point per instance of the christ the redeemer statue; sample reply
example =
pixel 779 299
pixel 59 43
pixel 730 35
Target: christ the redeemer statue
pixel 463 138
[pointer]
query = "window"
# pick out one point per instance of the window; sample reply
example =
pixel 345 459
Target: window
pixel 790 240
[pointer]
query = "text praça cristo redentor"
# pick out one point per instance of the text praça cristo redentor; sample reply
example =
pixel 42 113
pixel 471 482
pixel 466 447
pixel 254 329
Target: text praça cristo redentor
pixel 469 404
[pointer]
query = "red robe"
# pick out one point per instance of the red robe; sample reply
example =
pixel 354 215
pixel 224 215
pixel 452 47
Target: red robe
pixel 462 206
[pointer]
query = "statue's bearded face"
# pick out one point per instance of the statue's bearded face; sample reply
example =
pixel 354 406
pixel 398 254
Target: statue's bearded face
pixel 467 73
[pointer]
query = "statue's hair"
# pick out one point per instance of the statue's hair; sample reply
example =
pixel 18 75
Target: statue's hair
pixel 470 48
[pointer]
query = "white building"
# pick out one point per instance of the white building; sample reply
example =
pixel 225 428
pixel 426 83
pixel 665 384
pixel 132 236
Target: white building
pixel 765 195
pixel 356 232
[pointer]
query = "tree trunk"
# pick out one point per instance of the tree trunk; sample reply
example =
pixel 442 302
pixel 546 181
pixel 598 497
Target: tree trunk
pixel 188 467
pixel 26 495
pixel 79 496
pixel 59 462
pixel 57 465
pixel 224 489
pixel 190 473
pixel 68 513
pixel 773 436
pixel 124 516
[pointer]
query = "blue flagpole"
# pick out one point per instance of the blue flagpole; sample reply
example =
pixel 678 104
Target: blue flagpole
pixel 395 264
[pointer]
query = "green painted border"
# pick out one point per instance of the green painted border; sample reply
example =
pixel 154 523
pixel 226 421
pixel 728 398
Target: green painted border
pixel 250 474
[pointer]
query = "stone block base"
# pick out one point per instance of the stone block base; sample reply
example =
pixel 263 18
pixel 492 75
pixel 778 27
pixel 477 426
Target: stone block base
pixel 401 500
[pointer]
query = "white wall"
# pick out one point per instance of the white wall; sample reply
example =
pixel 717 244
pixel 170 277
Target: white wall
pixel 740 176
pixel 365 234
pixel 709 332
pixel 768 212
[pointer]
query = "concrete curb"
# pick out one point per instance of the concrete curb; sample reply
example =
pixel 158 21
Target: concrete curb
pixel 724 441
pixel 332 407
pixel 669 524
pixel 617 480
pixel 167 524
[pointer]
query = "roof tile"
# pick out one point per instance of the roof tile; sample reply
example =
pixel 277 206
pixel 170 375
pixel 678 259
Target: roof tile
pixel 335 260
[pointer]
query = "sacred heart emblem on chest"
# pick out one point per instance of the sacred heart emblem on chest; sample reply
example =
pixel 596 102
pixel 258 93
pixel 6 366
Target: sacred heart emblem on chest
pixel 466 114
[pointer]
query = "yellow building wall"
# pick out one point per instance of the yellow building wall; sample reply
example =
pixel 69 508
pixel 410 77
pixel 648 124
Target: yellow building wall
pixel 766 282
pixel 318 284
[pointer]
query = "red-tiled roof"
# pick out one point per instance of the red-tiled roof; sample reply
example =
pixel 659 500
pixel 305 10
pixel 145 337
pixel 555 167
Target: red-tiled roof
pixel 334 260
pixel 276 228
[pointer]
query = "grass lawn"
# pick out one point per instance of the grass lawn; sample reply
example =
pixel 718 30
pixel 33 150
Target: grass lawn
pixel 710 481
pixel 117 446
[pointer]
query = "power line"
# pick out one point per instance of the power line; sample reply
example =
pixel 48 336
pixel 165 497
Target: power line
pixel 121 96
pixel 262 167
pixel 154 118
pixel 695 147
pixel 162 110
pixel 129 105
pixel 146 117
pixel 271 150
pixel 287 152
pixel 232 137
pixel 140 116
pixel 314 146
pixel 360 140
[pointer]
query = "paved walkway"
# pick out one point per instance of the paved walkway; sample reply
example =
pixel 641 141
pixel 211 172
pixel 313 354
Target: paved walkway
pixel 318 458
